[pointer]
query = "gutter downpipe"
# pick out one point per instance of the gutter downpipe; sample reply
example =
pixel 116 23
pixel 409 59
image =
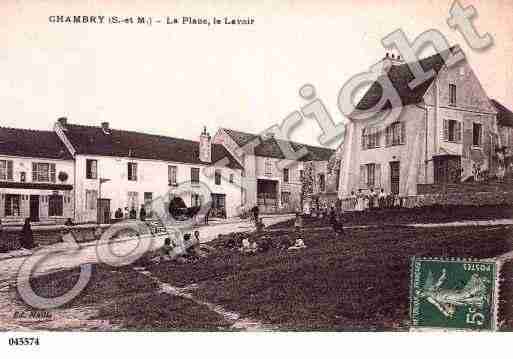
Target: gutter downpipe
pixel 426 140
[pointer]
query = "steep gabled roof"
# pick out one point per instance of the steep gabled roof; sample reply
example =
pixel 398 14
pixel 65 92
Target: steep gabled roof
pixel 93 140
pixel 32 143
pixel 272 147
pixel 504 115
pixel 401 76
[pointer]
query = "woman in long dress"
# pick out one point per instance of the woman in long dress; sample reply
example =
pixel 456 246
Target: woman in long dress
pixel 353 200
pixel 360 198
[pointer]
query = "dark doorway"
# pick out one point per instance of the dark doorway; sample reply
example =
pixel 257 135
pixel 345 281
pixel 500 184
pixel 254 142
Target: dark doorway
pixel 395 174
pixel 267 195
pixel 34 208
pixel 103 210
pixel 447 169
pixel 218 208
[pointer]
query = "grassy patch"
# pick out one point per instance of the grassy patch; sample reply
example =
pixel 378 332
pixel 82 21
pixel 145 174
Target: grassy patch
pixel 129 300
pixel 398 216
pixel 360 282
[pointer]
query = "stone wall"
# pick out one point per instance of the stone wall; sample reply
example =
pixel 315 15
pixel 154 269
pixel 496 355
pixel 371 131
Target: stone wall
pixel 459 199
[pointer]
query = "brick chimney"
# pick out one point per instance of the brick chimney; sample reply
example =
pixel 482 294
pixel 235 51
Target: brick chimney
pixel 205 146
pixel 63 121
pixel 390 60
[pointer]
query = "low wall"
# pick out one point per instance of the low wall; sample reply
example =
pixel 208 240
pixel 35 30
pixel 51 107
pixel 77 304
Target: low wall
pixel 470 187
pixel 459 199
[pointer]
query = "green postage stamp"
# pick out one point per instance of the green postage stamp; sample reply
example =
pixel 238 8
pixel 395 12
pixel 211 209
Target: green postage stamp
pixel 454 294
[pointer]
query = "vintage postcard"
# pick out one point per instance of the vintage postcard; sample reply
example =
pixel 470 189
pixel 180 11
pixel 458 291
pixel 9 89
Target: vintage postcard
pixel 276 166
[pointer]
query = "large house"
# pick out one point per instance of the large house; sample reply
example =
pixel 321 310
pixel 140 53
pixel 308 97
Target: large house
pixel 117 169
pixel 505 128
pixel 36 176
pixel 446 131
pixel 273 169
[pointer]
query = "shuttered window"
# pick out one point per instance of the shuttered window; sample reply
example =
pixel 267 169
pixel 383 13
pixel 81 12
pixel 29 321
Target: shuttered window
pixel 217 177
pixel 132 171
pixel 370 175
pixel 171 175
pixel 194 175
pixel 6 170
pixel 477 135
pixel 452 131
pixel 396 134
pixel 91 169
pixel 91 199
pixel 452 94
pixel 371 137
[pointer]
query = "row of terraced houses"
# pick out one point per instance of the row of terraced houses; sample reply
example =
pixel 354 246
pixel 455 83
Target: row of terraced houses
pixel 449 131
pixel 87 172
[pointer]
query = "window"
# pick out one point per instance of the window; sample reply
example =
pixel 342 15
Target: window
pixel 195 200
pixel 194 175
pixel 23 177
pixel 132 171
pixel 452 131
pixel 286 175
pixel 231 177
pixel 301 174
pixel 477 135
pixel 370 175
pixel 395 134
pixel 55 205
pixel 285 197
pixel 217 177
pixel 5 170
pixel 12 205
pixel 91 169
pixel 322 182
pixel 371 137
pixel 133 200
pixel 452 94
pixel 268 168
pixel 91 199
pixel 148 200
pixel 171 175
pixel 43 172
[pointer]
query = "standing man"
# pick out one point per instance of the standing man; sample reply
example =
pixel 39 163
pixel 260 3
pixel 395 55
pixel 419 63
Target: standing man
pixel 382 199
pixel 142 213
pixel 207 215
pixel 255 211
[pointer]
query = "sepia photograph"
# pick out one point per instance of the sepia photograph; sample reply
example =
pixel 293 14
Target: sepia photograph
pixel 266 167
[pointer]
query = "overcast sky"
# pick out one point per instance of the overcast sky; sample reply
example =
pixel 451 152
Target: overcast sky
pixel 173 79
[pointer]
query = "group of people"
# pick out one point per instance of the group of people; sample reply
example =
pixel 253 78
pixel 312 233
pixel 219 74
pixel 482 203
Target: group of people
pixel 191 249
pixel 361 201
pixel 131 214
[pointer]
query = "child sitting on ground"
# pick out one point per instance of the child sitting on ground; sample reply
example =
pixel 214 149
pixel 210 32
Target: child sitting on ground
pixel 300 244
pixel 336 222
pixel 248 247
